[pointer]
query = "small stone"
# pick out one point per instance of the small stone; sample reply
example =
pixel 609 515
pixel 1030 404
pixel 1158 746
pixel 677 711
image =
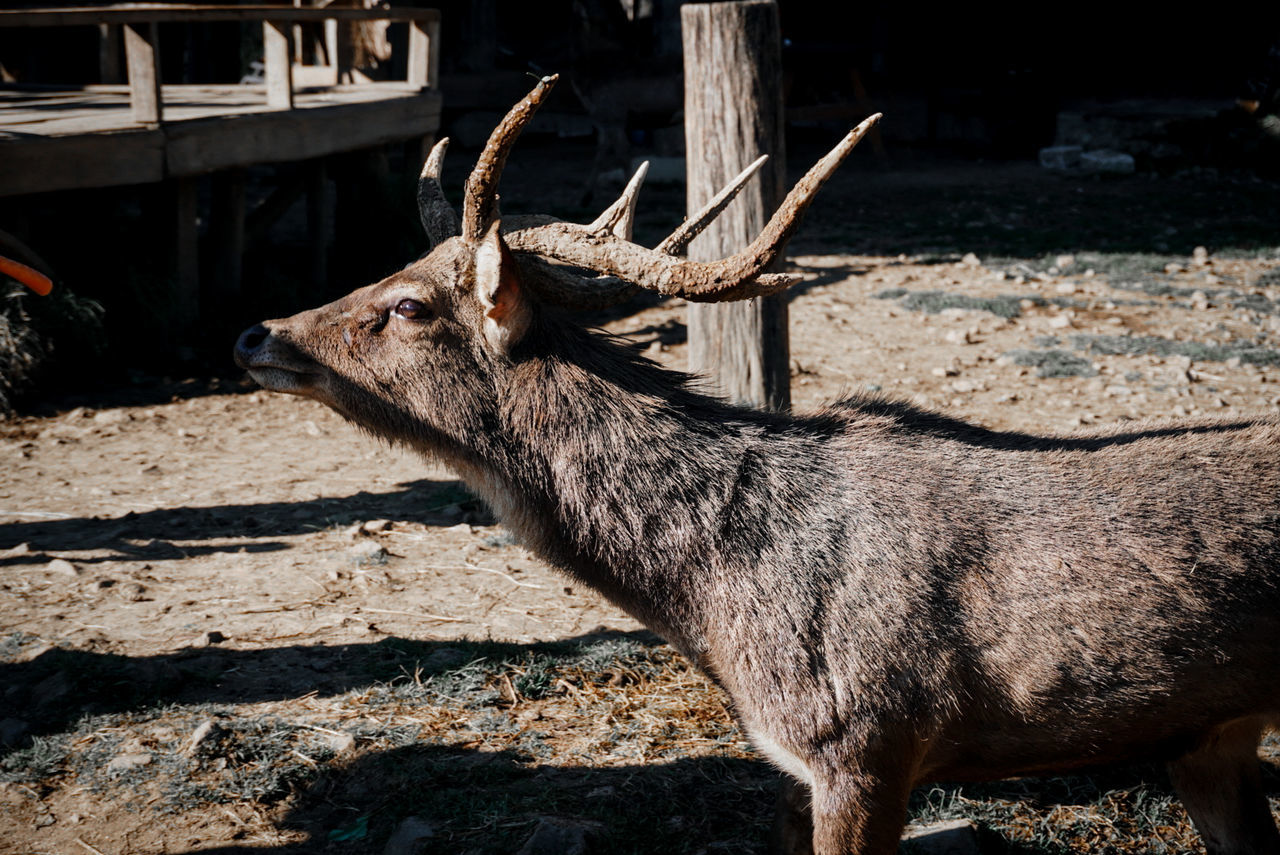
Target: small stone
pixel 408 835
pixel 375 526
pixel 1107 161
pixel 971 260
pixel 1065 262
pixel 1200 256
pixel 1066 288
pixel 1058 322
pixel 209 638
pixel 1061 157
pixel 110 417
pixel 207 730
pixel 63 568
pixel 15 551
pixel 311 429
pixel 123 763
pixel 460 528
pixel 368 552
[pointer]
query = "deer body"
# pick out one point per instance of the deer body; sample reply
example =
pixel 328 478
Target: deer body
pixel 890 597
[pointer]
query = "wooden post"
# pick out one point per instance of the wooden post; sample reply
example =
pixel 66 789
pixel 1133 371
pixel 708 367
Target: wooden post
pixel 421 53
pixel 733 114
pixel 109 53
pixel 279 62
pixel 143 59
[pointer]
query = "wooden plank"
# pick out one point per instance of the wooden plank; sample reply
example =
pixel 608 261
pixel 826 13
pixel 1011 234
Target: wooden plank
pixel 43 164
pixel 81 16
pixel 733 114
pixel 140 42
pixel 433 56
pixel 279 72
pixel 419 54
pixel 272 137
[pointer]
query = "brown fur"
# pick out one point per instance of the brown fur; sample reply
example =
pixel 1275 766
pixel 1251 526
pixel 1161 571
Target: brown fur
pixel 889 596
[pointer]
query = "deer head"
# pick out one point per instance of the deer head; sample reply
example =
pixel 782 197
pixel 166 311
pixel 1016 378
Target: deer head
pixel 460 316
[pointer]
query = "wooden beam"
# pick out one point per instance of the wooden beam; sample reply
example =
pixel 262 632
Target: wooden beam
pixel 279 62
pixel 88 16
pixel 140 45
pixel 733 114
pixel 272 137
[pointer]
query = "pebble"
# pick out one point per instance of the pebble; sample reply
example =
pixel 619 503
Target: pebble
pixel 63 567
pixel 122 763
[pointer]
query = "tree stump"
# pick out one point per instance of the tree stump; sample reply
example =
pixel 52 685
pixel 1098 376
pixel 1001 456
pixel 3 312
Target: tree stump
pixel 733 114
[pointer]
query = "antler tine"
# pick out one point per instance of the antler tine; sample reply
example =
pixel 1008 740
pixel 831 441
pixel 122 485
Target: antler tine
pixel 620 217
pixel 689 279
pixel 439 220
pixel 480 204
pixel 679 240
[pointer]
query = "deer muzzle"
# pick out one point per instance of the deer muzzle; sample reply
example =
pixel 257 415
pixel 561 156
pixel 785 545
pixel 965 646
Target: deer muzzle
pixel 274 363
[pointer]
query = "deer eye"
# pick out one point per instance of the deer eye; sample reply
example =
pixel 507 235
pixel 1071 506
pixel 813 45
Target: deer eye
pixel 412 310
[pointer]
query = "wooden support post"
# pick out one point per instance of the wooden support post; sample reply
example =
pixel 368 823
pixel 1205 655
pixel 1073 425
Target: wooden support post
pixel 143 58
pixel 733 114
pixel 109 53
pixel 279 62
pixel 226 233
pixel 186 291
pixel 421 49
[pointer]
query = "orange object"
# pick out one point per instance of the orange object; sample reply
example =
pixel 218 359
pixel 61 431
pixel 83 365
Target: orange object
pixel 33 279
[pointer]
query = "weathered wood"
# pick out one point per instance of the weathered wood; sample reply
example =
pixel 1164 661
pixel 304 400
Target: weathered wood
pixel 93 142
pixel 433 56
pixel 94 160
pixel 140 43
pixel 87 16
pixel 184 308
pixel 733 113
pixel 421 52
pixel 279 64
pixel 299 134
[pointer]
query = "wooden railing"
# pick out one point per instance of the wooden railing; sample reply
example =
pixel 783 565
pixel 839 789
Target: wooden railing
pixel 140 23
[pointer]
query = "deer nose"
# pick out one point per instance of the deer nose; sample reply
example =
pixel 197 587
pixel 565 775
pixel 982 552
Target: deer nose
pixel 250 340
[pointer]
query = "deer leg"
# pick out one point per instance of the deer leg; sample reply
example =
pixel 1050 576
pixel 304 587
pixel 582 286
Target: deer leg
pixel 856 812
pixel 1220 784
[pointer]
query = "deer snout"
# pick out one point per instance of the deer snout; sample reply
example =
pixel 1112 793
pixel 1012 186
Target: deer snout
pixel 275 363
pixel 249 343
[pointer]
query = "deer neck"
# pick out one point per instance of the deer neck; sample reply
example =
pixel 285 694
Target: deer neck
pixel 615 472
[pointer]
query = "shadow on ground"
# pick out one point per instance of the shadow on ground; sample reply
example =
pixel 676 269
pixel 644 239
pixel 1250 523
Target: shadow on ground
pixel 147 536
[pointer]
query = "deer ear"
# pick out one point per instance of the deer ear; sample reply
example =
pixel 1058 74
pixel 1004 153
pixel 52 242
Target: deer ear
pixel 500 292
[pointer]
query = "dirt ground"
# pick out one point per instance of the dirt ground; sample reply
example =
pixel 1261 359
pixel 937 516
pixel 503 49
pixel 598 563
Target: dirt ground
pixel 262 536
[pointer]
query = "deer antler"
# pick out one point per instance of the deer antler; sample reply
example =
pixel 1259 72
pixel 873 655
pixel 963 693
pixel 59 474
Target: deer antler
pixel 439 220
pixel 604 246
pixel 480 204
pixel 702 281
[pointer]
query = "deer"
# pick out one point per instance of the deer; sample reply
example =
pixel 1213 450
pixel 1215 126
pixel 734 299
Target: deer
pixel 889 596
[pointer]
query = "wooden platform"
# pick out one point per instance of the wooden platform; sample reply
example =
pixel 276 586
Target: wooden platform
pixel 66 138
